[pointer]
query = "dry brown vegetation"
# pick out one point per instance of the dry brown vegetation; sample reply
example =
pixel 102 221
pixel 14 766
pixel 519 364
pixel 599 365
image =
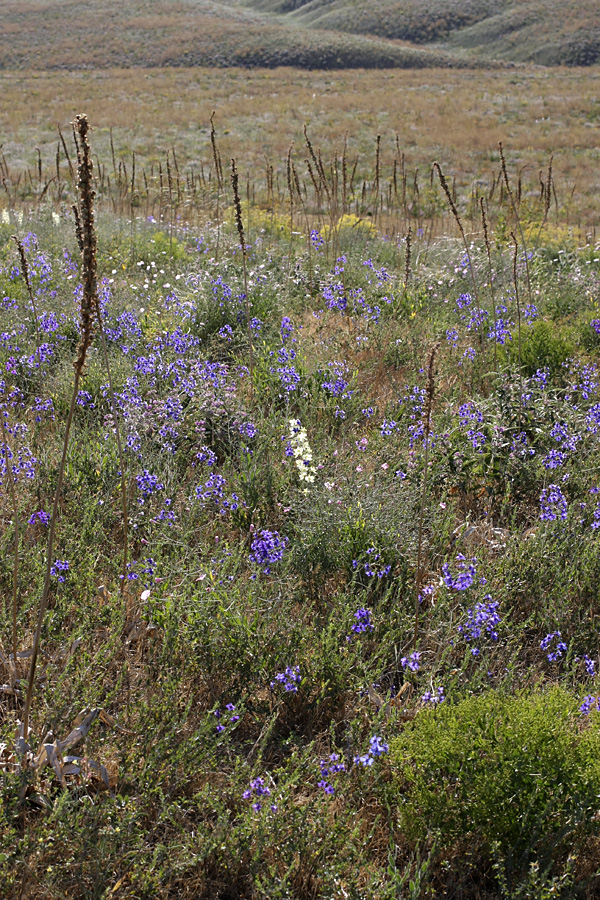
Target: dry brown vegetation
pixel 455 117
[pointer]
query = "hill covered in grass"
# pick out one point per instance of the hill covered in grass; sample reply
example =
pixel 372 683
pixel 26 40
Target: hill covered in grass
pixel 319 34
pixel 539 31
pixel 75 34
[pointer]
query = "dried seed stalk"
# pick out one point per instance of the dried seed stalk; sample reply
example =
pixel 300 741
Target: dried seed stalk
pixel 516 283
pixel 486 238
pixel 27 279
pixel 458 221
pixel 13 499
pixel 516 214
pixel 240 228
pixel 427 412
pixel 89 304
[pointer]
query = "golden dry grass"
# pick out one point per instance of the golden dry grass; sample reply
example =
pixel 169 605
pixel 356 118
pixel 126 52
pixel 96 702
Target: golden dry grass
pixel 454 116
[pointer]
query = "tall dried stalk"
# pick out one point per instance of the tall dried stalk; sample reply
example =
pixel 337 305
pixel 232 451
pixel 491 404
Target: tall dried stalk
pixel 290 186
pixel 113 407
pixel 427 411
pixel 218 175
pixel 344 177
pixel 13 500
pixel 170 186
pixel 377 174
pixel 240 229
pixel 486 238
pixel 387 344
pixel 516 215
pixel 458 221
pixel 322 183
pixel 408 259
pixel 516 282
pixel 27 280
pixel 89 304
pixel 547 196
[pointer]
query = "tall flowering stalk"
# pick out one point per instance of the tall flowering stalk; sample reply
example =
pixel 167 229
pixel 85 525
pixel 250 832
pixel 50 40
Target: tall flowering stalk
pixel 242 239
pixel 13 498
pixel 27 280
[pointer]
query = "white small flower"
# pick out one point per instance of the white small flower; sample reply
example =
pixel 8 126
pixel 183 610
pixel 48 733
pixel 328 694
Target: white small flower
pixel 298 441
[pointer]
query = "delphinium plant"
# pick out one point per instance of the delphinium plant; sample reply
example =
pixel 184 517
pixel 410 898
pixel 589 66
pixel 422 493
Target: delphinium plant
pixel 354 615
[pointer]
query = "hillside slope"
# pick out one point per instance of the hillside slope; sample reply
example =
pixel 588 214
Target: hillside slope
pixel 75 34
pixel 318 34
pixel 541 31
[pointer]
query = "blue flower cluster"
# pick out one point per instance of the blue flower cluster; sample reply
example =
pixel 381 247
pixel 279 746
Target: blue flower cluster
pixel 329 769
pixel 267 548
pixel 59 569
pixel 213 492
pixel 258 789
pixel 230 715
pixel 140 567
pixel 40 516
pixel 336 383
pixel 290 679
pixel 589 703
pixel 373 566
pixel 148 484
pixel 376 748
pixel 412 661
pixel 363 621
pixel 434 696
pixel 483 618
pixel 553 504
pixel 464 578
pixel 559 648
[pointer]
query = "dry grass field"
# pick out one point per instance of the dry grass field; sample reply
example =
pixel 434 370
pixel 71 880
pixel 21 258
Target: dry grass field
pixel 454 116
pixel 81 35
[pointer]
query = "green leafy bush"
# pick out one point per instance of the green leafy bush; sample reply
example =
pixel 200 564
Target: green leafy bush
pixel 543 346
pixel 517 773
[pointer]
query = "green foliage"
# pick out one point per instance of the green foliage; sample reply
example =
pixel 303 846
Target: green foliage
pixel 543 345
pixel 516 773
pixel 507 777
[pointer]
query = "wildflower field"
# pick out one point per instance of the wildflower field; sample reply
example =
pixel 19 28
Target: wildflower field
pixel 300 533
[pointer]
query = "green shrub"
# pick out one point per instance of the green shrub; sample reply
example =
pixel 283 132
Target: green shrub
pixel 515 774
pixel 543 345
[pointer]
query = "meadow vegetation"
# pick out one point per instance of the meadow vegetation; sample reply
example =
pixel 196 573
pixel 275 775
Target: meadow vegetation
pixel 324 624
pixel 199 33
pixel 452 116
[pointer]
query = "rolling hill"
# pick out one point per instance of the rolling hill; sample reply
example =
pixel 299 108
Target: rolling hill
pixel 76 34
pixel 540 31
pixel 319 34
